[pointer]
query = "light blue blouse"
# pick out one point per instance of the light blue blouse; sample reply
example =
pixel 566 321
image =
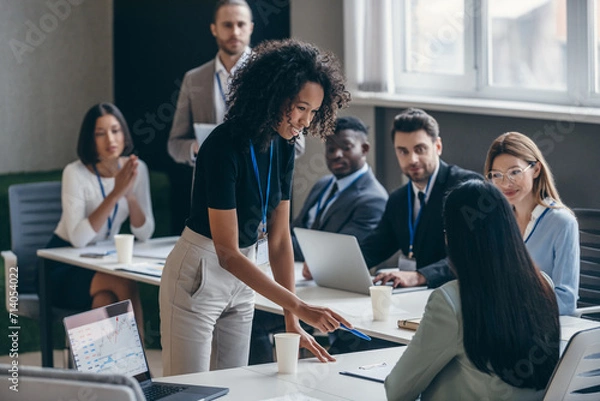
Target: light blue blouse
pixel 552 239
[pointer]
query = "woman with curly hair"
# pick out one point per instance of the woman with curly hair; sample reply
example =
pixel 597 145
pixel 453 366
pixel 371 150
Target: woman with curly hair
pixel 240 212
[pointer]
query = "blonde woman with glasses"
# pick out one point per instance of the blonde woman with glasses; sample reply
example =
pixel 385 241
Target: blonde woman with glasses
pixel 515 165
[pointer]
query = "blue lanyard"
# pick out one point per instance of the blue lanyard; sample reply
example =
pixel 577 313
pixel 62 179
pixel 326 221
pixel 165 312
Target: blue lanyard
pixel 328 201
pixel 263 201
pixel 412 227
pixel 536 224
pixel 110 219
pixel 221 90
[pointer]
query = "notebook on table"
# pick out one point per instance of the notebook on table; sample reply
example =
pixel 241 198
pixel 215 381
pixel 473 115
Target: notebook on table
pixel 106 340
pixel 335 261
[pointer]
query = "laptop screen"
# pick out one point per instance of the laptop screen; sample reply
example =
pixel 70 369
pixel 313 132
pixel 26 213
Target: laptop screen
pixel 106 340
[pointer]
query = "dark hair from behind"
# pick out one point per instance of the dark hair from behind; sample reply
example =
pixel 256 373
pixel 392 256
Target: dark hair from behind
pixel 351 123
pixel 86 145
pixel 262 90
pixel 510 312
pixel 223 3
pixel 412 119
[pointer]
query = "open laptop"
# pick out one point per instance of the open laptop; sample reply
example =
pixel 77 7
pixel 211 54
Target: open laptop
pixel 335 261
pixel 106 340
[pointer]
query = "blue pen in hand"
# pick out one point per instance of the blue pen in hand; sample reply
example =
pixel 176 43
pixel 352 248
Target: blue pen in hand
pixel 355 332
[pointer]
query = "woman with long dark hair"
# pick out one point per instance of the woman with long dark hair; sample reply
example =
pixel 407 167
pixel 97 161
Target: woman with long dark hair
pixel 240 212
pixel 492 334
pixel 100 191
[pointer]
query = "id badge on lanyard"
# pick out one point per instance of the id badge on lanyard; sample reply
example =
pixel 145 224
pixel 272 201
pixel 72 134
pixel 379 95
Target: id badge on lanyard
pixel 262 245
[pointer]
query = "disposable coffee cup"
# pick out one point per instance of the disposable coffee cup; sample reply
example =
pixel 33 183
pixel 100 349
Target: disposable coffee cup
pixel 381 300
pixel 287 346
pixel 124 245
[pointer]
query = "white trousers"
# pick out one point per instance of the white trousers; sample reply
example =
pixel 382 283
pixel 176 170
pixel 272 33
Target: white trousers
pixel 205 311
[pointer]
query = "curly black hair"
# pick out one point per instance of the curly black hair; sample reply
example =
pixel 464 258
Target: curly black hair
pixel 271 78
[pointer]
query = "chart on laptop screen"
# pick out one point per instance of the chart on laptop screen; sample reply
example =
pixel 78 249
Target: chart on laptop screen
pixel 111 345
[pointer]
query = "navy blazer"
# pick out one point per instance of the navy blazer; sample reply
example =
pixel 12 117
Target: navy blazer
pixel 356 211
pixel 429 245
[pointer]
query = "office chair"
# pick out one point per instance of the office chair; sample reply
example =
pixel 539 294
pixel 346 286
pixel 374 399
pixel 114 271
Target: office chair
pixel 577 374
pixel 35 210
pixel 589 277
pixel 49 384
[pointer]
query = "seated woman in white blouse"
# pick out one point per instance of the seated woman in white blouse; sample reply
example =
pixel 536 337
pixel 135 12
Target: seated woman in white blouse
pixel 99 192
pixel 493 334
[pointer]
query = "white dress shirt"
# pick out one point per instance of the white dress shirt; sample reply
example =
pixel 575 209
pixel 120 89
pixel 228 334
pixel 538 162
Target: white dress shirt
pixel 225 78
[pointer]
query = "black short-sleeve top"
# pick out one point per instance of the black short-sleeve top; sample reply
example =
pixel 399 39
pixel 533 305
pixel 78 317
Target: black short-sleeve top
pixel 224 179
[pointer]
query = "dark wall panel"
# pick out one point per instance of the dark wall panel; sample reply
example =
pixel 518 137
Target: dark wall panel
pixel 155 43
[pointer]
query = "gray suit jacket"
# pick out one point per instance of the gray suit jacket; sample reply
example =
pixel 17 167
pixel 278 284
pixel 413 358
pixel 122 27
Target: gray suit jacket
pixel 356 211
pixel 436 365
pixel 195 105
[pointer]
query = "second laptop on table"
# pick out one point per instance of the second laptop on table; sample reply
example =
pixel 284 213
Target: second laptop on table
pixel 335 261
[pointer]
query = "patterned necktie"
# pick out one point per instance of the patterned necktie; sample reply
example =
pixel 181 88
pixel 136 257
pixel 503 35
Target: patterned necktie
pixel 315 225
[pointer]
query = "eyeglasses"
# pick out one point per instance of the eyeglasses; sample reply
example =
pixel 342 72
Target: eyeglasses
pixel 513 174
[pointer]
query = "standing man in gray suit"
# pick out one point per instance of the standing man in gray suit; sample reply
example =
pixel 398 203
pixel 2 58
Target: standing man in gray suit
pixel 204 90
pixel 203 95
pixel 348 201
pixel 202 98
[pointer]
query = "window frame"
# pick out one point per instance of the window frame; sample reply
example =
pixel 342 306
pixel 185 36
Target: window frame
pixel 583 71
pixel 431 83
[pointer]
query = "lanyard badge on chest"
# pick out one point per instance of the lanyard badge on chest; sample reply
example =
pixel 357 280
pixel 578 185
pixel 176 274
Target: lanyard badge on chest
pixel 110 220
pixel 262 249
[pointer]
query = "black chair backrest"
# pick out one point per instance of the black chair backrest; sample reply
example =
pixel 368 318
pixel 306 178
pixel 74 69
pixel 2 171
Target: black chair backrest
pixel 589 283
pixel 590 254
pixel 589 238
pixel 589 220
pixel 35 209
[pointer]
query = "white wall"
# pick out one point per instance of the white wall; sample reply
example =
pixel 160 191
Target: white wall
pixel 321 22
pixel 56 60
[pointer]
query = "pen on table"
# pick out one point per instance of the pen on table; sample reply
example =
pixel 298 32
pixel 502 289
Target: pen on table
pixel 355 332
pixel 373 366
pixel 140 272
pixel 97 254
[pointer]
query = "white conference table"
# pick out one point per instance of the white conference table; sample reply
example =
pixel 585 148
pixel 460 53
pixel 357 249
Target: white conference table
pixel 313 380
pixel 355 307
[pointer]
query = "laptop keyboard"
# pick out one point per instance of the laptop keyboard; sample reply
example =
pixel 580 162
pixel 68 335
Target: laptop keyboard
pixel 157 391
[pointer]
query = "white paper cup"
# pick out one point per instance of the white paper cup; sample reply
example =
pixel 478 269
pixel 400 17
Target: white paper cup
pixel 287 346
pixel 124 245
pixel 381 300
